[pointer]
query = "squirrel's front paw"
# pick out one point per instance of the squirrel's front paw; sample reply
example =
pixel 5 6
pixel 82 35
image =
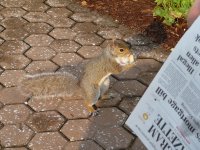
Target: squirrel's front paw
pixel 93 110
pixel 96 112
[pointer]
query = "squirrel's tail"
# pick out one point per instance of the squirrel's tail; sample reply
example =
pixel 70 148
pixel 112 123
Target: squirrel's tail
pixel 49 84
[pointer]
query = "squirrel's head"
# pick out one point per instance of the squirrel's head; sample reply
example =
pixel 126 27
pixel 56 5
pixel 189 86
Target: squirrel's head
pixel 120 51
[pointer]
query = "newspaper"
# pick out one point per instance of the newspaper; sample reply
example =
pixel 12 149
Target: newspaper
pixel 168 115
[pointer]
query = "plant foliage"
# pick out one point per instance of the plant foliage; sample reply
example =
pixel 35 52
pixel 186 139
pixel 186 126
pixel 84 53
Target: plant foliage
pixel 170 10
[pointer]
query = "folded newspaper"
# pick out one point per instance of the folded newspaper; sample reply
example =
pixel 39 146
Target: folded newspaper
pixel 168 115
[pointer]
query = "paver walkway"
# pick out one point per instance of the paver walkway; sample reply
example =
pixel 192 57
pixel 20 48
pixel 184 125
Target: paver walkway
pixel 52 35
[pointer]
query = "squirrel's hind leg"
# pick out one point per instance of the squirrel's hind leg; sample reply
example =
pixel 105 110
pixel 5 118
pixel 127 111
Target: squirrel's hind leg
pixel 92 96
pixel 104 88
pixel 105 95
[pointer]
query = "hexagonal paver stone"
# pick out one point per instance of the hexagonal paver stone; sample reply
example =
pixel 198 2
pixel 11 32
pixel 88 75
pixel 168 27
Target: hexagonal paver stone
pixel 14 47
pixel 73 109
pixel 14 34
pixel 138 40
pixel 15 135
pixel 12 96
pixel 1 104
pixel 146 77
pixel 12 77
pixel 146 52
pixel 86 27
pixel 1 17
pixel 61 22
pixel 110 33
pixel 76 70
pixel 12 3
pixel 1 41
pixel 58 3
pixel 75 7
pixel 44 104
pixel 130 74
pixel 15 62
pixel 13 114
pixel 128 104
pixel 63 33
pixel 1 88
pixel 36 28
pixel 82 145
pixel 148 65
pixel 39 40
pixel 110 102
pixel 112 81
pixel 83 17
pixel 41 66
pixel 106 21
pixel 1 126
pixel 59 12
pixel 81 129
pixel 19 148
pixel 114 138
pixel 106 43
pixel 40 53
pixel 13 12
pixel 13 22
pixel 31 5
pixel 37 17
pixel 115 118
pixel 130 88
pixel 138 145
pixel 47 141
pixel 1 28
pixel 64 46
pixel 45 121
pixel 1 70
pixel 64 59
pixel 90 51
pixel 89 39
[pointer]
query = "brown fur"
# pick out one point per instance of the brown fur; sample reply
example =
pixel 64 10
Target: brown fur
pixel 50 85
pixel 98 68
pixel 94 82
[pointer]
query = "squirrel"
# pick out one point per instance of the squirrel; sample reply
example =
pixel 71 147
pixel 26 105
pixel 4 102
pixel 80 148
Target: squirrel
pixel 94 82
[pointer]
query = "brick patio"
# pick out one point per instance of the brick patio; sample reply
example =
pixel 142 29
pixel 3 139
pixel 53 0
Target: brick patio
pixel 55 35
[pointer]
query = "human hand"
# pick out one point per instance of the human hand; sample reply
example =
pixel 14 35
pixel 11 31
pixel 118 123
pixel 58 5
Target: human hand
pixel 194 12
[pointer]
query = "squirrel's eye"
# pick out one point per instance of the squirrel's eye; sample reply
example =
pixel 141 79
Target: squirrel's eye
pixel 121 49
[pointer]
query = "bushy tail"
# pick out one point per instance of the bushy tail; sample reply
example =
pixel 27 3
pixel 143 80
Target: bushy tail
pixel 49 84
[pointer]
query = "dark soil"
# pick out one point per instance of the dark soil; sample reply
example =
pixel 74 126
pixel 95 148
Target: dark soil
pixel 137 15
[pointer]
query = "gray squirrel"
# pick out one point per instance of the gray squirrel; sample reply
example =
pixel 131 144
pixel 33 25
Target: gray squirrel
pixel 94 82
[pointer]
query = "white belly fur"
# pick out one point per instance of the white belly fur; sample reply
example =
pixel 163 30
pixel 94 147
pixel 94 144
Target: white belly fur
pixel 125 60
pixel 103 79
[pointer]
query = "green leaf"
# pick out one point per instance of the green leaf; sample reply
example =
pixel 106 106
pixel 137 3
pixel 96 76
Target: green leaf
pixel 158 2
pixel 169 10
pixel 176 14
pixel 177 2
pixel 169 20
pixel 158 11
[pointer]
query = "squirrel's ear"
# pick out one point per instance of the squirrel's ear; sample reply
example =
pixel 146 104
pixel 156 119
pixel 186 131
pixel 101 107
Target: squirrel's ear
pixel 111 44
pixel 109 48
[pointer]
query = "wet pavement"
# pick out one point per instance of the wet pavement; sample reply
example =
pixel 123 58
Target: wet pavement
pixel 39 36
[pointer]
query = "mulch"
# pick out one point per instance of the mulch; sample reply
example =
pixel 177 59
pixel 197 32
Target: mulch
pixel 138 15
